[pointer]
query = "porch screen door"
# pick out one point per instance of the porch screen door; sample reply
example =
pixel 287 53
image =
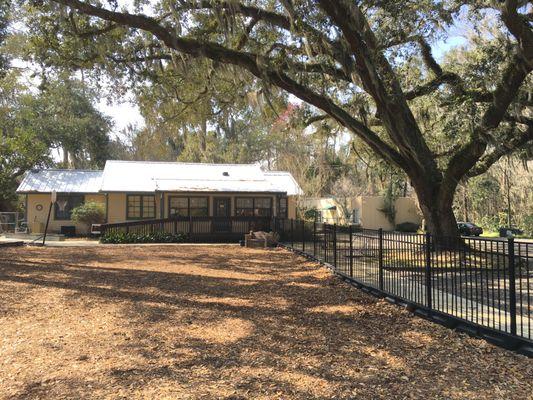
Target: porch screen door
pixel 222 208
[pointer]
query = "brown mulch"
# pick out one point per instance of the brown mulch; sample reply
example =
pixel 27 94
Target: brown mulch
pixel 223 322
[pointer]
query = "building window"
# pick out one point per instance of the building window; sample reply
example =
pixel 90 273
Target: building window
pixel 188 206
pixel 198 206
pixel 283 207
pixel 140 206
pixel 253 206
pixel 65 204
pixel 356 217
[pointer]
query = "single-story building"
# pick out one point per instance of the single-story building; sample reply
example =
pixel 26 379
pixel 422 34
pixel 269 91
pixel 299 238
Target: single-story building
pixel 141 190
pixel 365 211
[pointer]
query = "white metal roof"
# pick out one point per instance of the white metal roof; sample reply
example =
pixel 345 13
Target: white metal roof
pixel 62 181
pixel 284 182
pixel 149 177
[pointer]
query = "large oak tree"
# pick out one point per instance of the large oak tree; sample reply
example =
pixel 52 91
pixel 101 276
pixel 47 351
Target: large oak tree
pixel 351 60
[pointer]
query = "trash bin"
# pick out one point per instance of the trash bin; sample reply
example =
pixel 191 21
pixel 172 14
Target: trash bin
pixel 505 232
pixel 68 231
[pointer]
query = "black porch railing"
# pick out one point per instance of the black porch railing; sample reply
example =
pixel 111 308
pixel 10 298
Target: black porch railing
pixel 483 286
pixel 212 229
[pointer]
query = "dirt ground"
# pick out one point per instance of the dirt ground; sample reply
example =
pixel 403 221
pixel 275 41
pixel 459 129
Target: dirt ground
pixel 223 322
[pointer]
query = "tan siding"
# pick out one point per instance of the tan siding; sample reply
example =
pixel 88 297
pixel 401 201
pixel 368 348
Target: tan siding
pixel 369 210
pixel 37 219
pixel 373 218
pixel 292 207
pixel 116 207
pixel 407 211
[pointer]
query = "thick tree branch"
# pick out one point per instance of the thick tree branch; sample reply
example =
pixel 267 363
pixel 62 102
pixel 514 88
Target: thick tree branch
pixel 520 28
pixel 380 81
pixel 90 32
pixel 252 62
pixel 329 47
pixel 514 75
pixel 509 147
pixel 279 20
pixel 433 85
pixel 428 58
pixel 316 118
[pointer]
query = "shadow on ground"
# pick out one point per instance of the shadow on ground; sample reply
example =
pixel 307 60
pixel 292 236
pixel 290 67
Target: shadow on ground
pixel 223 322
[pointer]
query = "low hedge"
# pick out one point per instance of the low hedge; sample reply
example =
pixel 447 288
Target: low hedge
pixel 407 227
pixel 155 237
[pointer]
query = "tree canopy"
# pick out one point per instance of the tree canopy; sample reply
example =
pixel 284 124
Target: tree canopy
pixel 368 66
pixel 60 117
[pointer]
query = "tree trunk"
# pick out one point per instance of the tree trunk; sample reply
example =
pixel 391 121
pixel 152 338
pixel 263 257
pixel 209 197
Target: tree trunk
pixel 436 207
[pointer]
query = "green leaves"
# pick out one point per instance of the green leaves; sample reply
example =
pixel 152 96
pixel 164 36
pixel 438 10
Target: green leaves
pixel 155 237
pixel 89 213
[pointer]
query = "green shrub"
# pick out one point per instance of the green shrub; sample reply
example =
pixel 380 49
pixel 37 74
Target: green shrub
pixel 527 225
pixel 407 227
pixel 130 237
pixel 493 222
pixel 89 213
pixel 311 214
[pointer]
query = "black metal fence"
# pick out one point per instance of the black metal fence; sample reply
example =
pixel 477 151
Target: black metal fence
pixel 487 283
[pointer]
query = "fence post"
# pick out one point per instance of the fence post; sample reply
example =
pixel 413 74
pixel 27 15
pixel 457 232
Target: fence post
pixel 380 257
pixel 351 251
pixel 303 235
pixel 429 302
pixel 314 238
pixel 292 233
pixel 335 246
pixel 190 226
pixel 512 284
pixel 324 228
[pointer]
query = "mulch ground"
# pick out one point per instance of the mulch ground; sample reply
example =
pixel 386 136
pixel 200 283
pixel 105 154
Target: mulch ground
pixel 223 322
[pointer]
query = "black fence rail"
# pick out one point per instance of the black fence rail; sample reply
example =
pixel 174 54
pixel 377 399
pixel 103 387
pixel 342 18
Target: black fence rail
pixel 485 285
pixel 204 229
